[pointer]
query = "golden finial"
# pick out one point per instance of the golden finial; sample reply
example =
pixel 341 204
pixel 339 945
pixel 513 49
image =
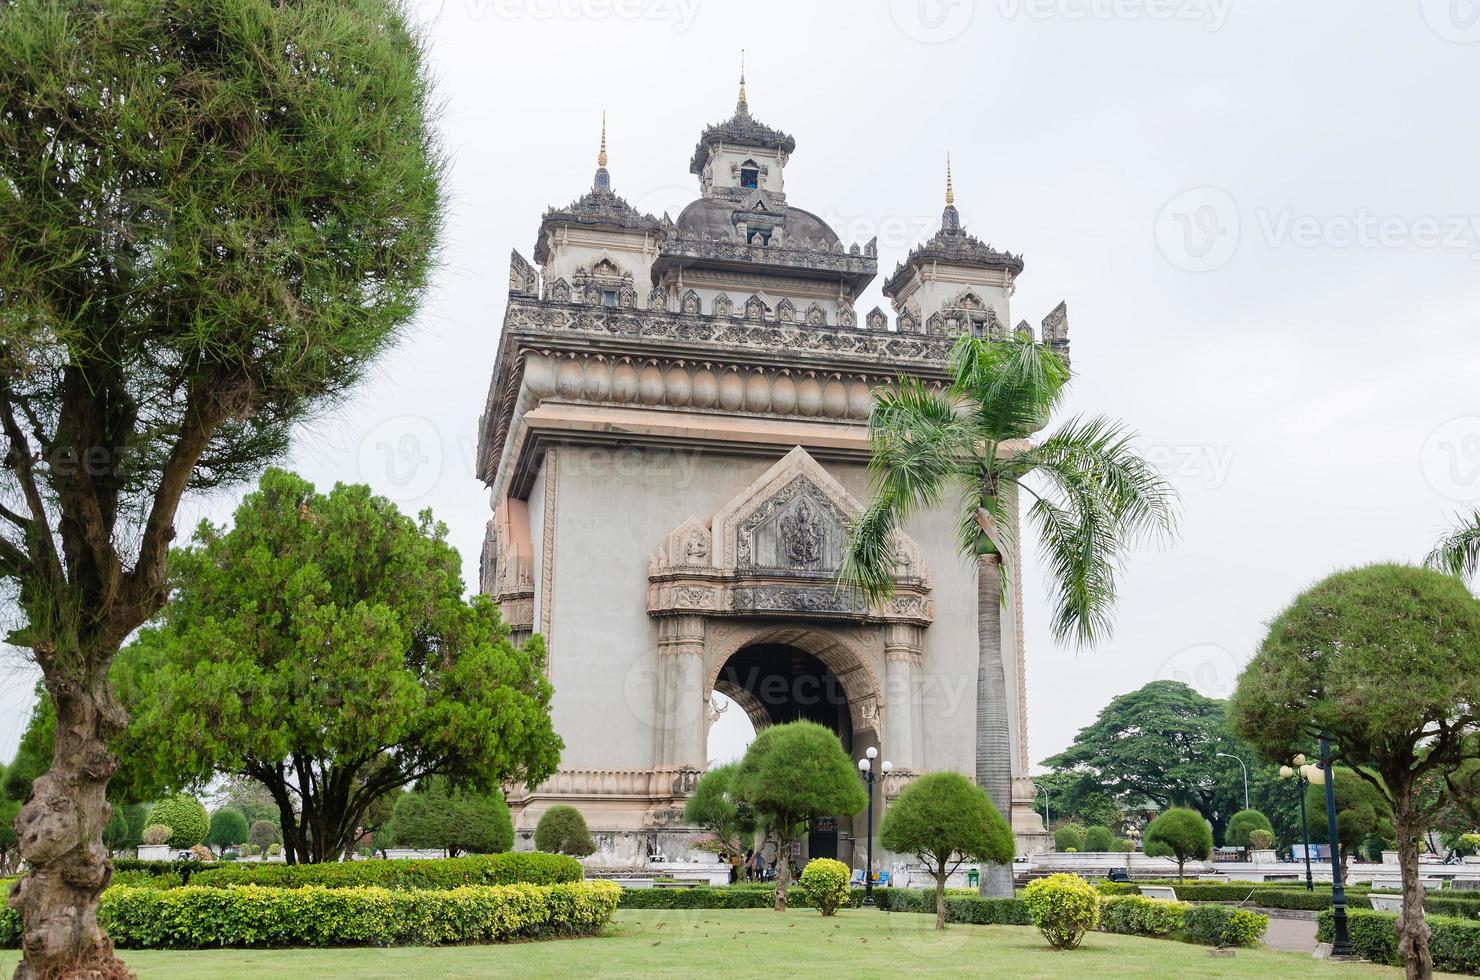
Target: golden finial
pixel 742 104
pixel 601 157
pixel 950 193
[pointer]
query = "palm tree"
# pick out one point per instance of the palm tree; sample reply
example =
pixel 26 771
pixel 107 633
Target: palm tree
pixel 969 446
pixel 1458 552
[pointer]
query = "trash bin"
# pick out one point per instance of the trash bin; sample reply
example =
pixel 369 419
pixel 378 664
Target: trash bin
pixel 973 878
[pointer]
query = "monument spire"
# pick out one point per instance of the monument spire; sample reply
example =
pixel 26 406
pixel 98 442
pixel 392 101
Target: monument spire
pixel 603 181
pixel 742 107
pixel 950 193
pixel 950 218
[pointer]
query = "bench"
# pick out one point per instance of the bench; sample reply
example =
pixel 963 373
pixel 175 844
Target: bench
pixel 1386 903
pixel 675 884
pixel 1165 893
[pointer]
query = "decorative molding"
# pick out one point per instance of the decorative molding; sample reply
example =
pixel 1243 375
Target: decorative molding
pixel 547 548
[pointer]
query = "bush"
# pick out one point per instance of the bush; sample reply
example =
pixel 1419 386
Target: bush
pixel 1098 839
pixel 1180 833
pixel 1219 925
pixel 532 868
pixel 825 883
pixel 156 834
pixel 1063 907
pixel 143 879
pixel 186 818
pixel 963 905
pixel 562 830
pixel 228 828
pixel 1069 837
pixel 1261 840
pixel 1244 823
pixel 1136 915
pixel 1454 943
pixel 436 816
pixel 263 833
pixel 737 896
pixel 180 871
pixel 252 916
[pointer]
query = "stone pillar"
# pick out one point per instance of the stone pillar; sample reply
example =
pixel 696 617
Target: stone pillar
pixel 681 721
pixel 904 722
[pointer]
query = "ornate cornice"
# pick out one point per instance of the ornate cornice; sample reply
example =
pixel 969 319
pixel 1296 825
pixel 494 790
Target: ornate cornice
pixel 741 129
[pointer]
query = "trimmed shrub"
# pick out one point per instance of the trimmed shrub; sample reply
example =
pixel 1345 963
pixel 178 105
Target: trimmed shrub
pixel 1136 915
pixel 1069 837
pixel 1454 943
pixel 186 818
pixel 726 897
pixel 562 830
pixel 1243 824
pixel 963 905
pixel 251 916
pixel 156 834
pixel 1220 925
pixel 1181 834
pixel 1098 839
pixel 263 833
pixel 825 883
pixel 1125 846
pixel 1063 907
pixel 403 874
pixel 228 828
pixel 179 872
pixel 143 879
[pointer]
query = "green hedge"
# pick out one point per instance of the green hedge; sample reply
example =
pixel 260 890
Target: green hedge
pixel 971 909
pixel 722 897
pixel 1454 943
pixel 525 867
pixel 194 917
pixel 1209 925
pixel 180 870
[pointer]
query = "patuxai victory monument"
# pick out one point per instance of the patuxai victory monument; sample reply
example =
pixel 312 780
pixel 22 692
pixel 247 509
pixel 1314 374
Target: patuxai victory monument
pixel 675 440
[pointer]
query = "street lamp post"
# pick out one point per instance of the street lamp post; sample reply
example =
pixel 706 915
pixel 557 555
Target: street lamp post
pixel 1287 772
pixel 1341 942
pixel 866 770
pixel 1245 768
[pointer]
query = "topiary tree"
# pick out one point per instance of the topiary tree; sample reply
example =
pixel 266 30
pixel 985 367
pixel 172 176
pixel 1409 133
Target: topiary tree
pixel 1261 840
pixel 1124 846
pixel 1181 834
pixel 156 834
pixel 1098 839
pixel 263 833
pixel 941 818
pixel 186 818
pixel 1362 812
pixel 457 820
pixel 790 775
pixel 228 828
pixel 1244 822
pixel 1063 907
pixel 562 830
pixel 1383 661
pixel 1069 837
pixel 715 808
pixel 214 215
pixel 825 883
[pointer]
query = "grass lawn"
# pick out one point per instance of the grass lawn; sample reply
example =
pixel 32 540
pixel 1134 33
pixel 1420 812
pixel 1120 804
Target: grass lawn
pixel 755 942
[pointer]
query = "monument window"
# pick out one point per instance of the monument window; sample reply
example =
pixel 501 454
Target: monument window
pixel 609 297
pixel 764 234
pixel 750 175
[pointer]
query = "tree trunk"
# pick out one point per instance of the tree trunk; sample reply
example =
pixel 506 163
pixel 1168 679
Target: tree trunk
pixel 60 833
pixel 1413 931
pixel 783 876
pixel 940 898
pixel 993 738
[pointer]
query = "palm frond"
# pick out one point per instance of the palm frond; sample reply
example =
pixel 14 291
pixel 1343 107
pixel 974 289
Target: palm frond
pixel 1012 385
pixel 917 440
pixel 868 555
pixel 1082 552
pixel 1458 552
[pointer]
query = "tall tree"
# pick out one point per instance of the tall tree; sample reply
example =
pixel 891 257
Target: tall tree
pixel 1159 743
pixel 1092 496
pixel 213 215
pixel 354 664
pixel 792 774
pixel 715 807
pixel 1385 662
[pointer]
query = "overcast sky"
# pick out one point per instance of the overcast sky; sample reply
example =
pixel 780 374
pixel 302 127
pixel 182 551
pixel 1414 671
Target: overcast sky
pixel 1264 216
